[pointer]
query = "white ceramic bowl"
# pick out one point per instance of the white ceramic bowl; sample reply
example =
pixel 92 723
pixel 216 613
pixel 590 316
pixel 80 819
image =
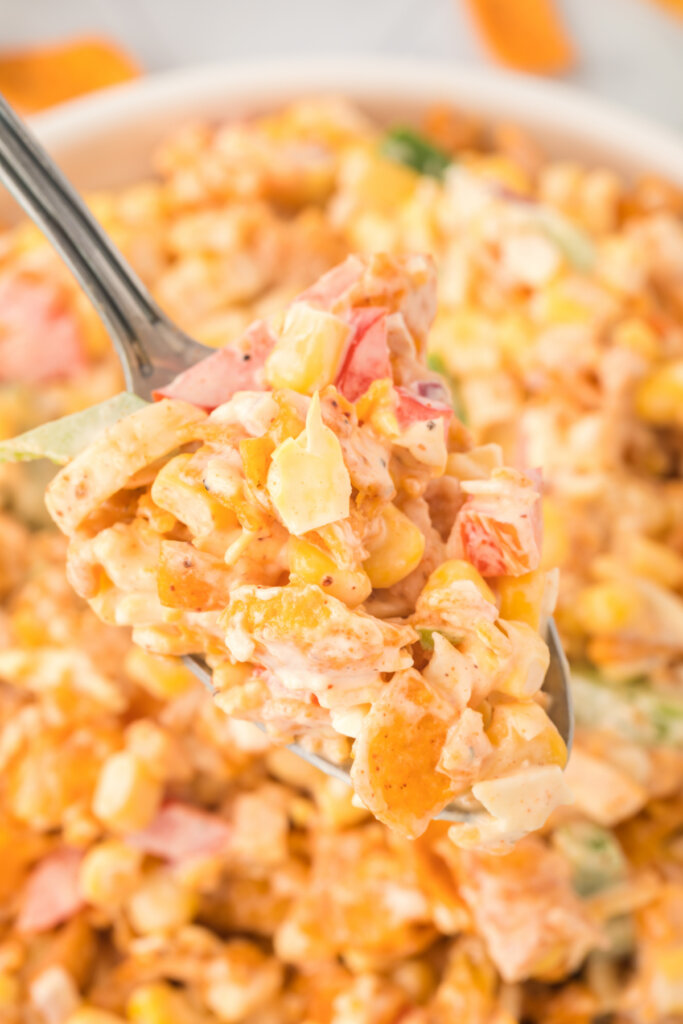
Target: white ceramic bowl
pixel 107 139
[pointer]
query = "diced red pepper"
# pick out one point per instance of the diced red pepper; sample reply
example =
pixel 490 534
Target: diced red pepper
pixel 413 408
pixel 501 535
pixel 181 832
pixel 214 380
pixel 367 355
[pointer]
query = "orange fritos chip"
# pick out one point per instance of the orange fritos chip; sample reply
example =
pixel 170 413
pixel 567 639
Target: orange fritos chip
pixel 34 79
pixel 528 36
pixel 396 754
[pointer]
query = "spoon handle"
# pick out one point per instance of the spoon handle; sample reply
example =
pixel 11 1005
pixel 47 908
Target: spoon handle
pixel 151 350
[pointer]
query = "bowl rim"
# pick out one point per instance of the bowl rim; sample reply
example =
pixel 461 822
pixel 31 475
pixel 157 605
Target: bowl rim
pixel 530 101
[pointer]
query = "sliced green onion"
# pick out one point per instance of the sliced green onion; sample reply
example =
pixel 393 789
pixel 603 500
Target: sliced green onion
pixel 575 244
pixel 596 859
pixel 426 635
pixel 634 710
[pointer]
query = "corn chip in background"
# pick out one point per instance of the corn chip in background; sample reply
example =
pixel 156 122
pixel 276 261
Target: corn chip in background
pixel 527 35
pixel 37 78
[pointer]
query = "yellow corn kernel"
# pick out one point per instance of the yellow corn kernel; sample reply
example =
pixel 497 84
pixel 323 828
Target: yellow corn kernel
pixel 308 353
pixel 158 748
pixel 161 904
pixel 26 237
pixel 416 977
pixel 227 676
pixel 127 795
pixel 655 561
pixel 93 1015
pixel 515 337
pixel 558 304
pixel 220 328
pixel 476 464
pixel 160 1003
pixel 397 551
pixel 556 545
pixel 667 970
pixel 525 598
pixel 373 231
pixel 242 981
pixel 466 341
pixel 310 564
pixel 97 341
pixel 607 608
pixel 162 677
pixel 334 804
pixel 419 225
pixel 9 992
pixel 109 873
pixel 455 570
pixel 255 453
pixel 637 336
pixel 159 519
pixel 377 408
pixel 659 397
pixel 377 183
pixel 600 198
pixel 187 500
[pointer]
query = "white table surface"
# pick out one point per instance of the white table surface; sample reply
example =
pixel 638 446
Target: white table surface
pixel 631 51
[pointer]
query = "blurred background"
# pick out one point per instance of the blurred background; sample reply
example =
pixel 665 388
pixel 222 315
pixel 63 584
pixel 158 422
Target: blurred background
pixel 629 51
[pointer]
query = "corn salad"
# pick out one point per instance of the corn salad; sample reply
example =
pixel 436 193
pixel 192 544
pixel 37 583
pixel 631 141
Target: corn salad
pixel 564 335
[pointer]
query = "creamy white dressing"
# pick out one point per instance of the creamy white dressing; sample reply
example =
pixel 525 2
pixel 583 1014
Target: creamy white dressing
pixel 253 410
pixel 426 442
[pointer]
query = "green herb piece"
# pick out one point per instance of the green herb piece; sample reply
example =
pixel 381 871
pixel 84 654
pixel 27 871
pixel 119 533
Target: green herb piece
pixel 408 147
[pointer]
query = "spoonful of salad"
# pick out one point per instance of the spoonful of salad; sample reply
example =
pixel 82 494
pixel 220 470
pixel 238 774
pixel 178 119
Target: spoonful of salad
pixel 303 518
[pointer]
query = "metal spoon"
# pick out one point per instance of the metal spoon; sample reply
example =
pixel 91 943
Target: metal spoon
pixel 153 351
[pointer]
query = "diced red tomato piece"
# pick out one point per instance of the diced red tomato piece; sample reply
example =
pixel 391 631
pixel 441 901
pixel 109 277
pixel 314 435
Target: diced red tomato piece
pixel 214 380
pixel 40 337
pixel 51 895
pixel 413 408
pixel 181 832
pixel 367 355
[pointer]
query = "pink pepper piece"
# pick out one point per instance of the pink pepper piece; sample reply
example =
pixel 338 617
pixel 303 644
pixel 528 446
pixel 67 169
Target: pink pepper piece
pixel 181 832
pixel 367 355
pixel 413 408
pixel 40 338
pixel 51 895
pixel 500 534
pixel 214 380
